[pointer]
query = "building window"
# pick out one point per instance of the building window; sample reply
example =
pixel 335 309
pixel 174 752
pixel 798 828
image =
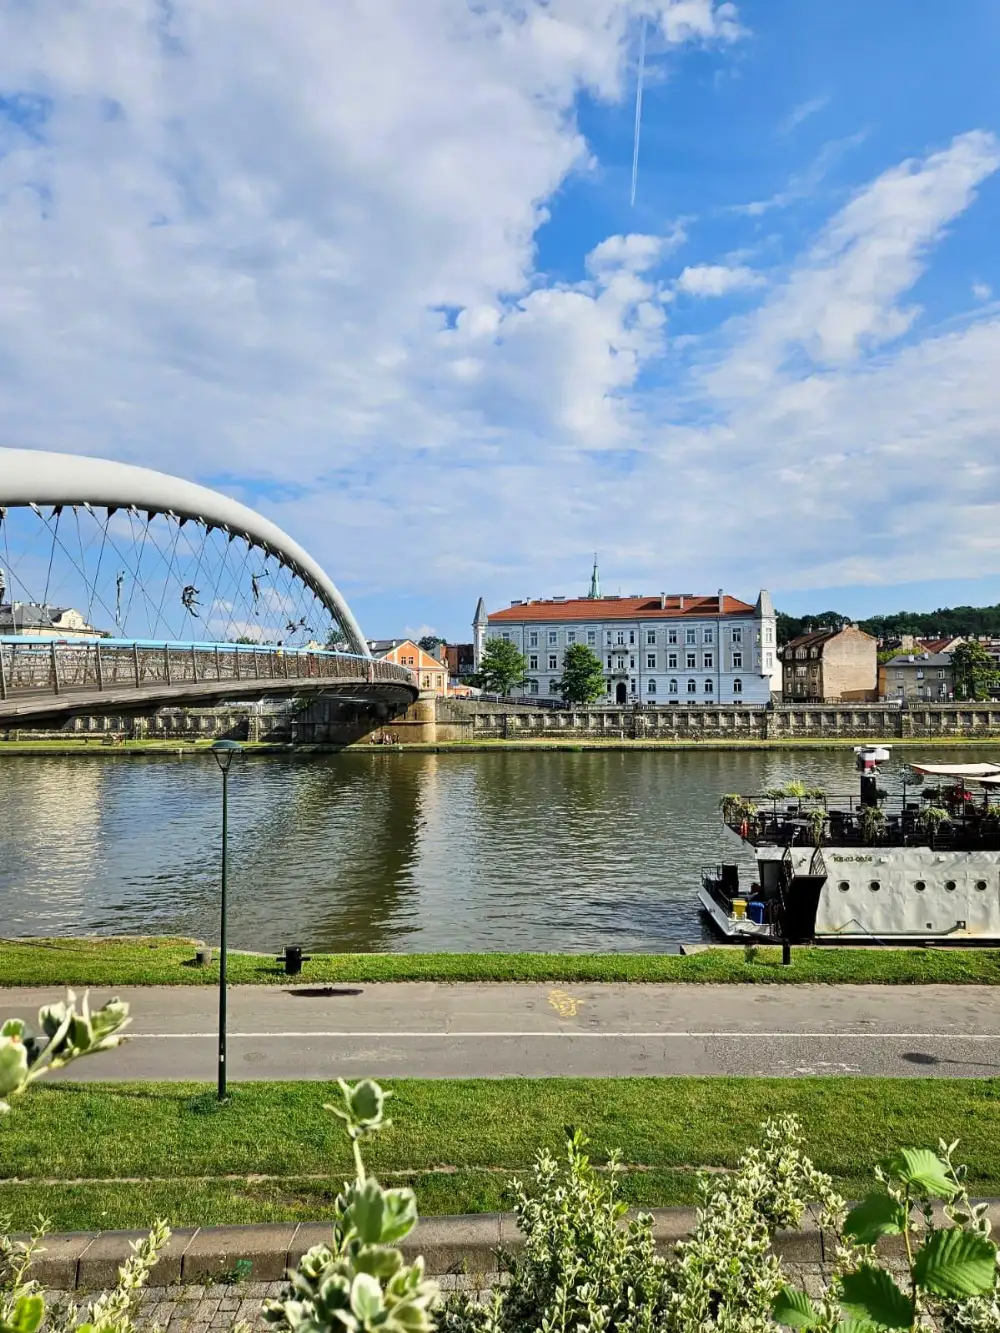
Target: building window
pixel 690 661
pixel 607 636
pixel 651 637
pixel 737 661
pixel 650 661
pixel 571 636
pixel 800 653
pixel 899 675
pixel 632 684
pixel 437 681
pixel 650 686
pixel 692 687
pixel 920 675
pixel 552 687
pixel 631 662
pixel 532 686
pixel 533 662
pixel 505 636
pixel 737 686
pixel 689 636
pixel 709 661
pixel 592 637
pixel 768 660
pixel 553 661
pixel 708 687
pixel 553 636
pixel 941 675
pixel 768 634
pixel 737 634
pixel 673 687
pixel 621 636
pixel 533 639
pixel 609 663
pixel 672 661
pixel 814 652
pixel 671 636
pixel 708 635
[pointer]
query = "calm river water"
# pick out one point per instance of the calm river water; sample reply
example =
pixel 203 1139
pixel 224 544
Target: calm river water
pixel 386 851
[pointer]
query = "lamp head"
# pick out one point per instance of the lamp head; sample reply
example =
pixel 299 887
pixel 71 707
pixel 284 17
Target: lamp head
pixel 224 752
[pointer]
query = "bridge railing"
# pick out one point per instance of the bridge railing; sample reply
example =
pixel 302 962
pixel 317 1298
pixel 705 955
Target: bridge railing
pixel 55 666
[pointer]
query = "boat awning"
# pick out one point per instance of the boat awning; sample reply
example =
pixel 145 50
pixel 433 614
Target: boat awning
pixel 977 772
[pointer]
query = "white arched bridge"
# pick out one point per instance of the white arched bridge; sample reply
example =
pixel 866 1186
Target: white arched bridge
pixel 124 590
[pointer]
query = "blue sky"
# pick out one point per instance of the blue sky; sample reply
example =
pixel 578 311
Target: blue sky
pixel 373 267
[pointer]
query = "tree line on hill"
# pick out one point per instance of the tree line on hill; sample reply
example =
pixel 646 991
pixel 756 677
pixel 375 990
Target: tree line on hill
pixel 947 622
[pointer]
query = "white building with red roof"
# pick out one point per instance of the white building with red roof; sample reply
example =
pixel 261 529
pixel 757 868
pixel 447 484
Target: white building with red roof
pixel 677 648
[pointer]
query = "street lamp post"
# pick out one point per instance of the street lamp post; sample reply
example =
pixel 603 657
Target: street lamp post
pixel 224 752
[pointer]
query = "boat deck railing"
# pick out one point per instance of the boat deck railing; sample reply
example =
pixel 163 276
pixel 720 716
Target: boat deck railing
pixel 940 818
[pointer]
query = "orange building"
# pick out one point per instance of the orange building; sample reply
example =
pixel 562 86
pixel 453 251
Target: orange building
pixel 431 672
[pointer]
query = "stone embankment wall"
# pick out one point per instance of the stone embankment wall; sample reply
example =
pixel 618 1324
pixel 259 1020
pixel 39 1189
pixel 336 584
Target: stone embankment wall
pixel 432 721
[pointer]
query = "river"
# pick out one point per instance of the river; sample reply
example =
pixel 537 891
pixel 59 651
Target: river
pixel 382 851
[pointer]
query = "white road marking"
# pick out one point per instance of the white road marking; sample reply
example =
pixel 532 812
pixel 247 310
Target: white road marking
pixel 576 1033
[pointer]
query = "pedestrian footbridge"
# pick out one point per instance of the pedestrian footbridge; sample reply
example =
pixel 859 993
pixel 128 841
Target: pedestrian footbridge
pixel 125 590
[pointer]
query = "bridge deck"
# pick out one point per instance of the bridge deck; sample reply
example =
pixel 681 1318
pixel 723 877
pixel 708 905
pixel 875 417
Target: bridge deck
pixel 45 680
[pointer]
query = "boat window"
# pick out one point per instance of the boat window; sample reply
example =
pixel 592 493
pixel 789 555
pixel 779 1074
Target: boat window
pixel 843 886
pixel 980 885
pixel 950 885
pixel 920 886
pixel 874 886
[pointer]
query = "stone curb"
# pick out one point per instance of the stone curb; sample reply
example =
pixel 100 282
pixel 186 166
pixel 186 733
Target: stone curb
pixel 90 1259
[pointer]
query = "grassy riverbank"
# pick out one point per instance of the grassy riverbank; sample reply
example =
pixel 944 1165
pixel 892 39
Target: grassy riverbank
pixel 132 748
pixel 119 1155
pixel 169 961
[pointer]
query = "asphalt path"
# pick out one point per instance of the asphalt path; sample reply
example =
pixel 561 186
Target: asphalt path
pixel 425 1030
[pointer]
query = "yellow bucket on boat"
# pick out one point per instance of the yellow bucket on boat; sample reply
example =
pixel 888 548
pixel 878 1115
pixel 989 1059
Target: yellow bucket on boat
pixel 739 908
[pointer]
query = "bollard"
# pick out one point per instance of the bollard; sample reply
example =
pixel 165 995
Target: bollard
pixel 786 954
pixel 203 957
pixel 293 958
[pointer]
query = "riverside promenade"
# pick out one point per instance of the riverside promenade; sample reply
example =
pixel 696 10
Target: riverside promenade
pixel 431 1030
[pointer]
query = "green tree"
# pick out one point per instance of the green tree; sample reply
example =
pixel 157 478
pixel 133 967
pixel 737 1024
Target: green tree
pixel 430 643
pixel 582 680
pixel 502 668
pixel 975 671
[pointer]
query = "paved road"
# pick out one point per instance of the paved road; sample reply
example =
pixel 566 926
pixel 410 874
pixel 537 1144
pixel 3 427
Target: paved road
pixel 442 1031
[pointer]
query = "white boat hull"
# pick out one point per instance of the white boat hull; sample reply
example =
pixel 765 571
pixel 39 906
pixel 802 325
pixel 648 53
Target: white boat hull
pixel 733 928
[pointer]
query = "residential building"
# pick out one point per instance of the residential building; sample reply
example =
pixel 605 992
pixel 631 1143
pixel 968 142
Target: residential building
pixel 831 666
pixel 431 672
pixel 677 649
pixel 38 620
pixel 461 659
pixel 917 676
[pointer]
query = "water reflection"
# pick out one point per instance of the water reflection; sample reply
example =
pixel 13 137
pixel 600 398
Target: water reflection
pixel 377 851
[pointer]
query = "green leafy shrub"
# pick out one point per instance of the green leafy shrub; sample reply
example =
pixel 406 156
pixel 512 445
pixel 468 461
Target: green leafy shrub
pixel 65 1034
pixel 359 1282
pixel 951 1270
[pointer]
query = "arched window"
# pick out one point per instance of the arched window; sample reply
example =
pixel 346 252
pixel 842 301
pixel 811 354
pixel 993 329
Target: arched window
pixel 650 686
pixel 708 687
pixel 553 687
pixel 692 686
pixel 673 687
pixel 737 686
pixel 532 686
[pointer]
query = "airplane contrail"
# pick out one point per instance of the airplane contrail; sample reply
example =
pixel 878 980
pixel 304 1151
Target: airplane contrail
pixel 638 108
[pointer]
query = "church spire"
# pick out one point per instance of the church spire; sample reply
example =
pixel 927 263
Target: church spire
pixel 595 582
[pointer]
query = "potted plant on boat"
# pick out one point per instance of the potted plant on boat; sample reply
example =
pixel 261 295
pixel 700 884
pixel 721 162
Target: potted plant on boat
pixel 871 819
pixel 930 819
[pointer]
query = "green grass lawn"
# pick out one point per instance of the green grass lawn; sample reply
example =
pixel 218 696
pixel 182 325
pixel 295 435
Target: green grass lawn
pixel 168 961
pixel 273 1153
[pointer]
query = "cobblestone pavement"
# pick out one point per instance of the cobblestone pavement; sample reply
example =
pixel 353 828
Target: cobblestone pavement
pixel 216 1308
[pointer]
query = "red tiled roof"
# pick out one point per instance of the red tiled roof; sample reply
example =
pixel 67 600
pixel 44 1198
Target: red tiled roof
pixel 621 608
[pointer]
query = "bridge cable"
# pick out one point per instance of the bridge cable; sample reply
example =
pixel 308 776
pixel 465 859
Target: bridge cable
pixel 57 541
pixel 171 571
pixel 57 511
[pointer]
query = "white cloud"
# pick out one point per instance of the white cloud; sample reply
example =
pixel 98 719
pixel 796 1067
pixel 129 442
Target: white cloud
pixel 717 279
pixel 982 291
pixel 802 112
